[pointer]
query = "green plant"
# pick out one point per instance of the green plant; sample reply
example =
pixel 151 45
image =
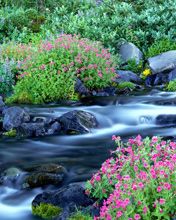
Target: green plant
pixel 160 47
pixel 126 85
pixel 11 133
pixel 46 211
pixel 138 181
pixel 51 74
pixel 80 216
pixel 133 66
pixel 7 76
pixel 172 86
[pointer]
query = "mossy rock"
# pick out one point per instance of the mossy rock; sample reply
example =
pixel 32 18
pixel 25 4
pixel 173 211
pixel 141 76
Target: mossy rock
pixel 126 85
pixel 80 216
pixel 46 211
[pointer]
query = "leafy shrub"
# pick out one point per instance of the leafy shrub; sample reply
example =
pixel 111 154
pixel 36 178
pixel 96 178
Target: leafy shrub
pixel 51 74
pixel 125 85
pixel 172 86
pixel 7 76
pixel 15 20
pixel 46 211
pixel 160 47
pixel 113 22
pixel 80 216
pixel 133 66
pixel 138 182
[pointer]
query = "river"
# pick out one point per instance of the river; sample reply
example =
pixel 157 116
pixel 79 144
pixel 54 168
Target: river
pixel 82 155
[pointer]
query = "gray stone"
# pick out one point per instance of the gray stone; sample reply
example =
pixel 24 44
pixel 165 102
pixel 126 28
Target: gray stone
pixel 127 76
pixel 77 122
pixel 55 128
pixel 128 51
pixel 80 88
pixel 163 62
pixel 14 117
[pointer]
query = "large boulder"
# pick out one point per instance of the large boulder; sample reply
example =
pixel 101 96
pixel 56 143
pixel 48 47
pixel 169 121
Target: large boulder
pixel 127 76
pixel 163 62
pixel 128 51
pixel 14 117
pixel 47 174
pixel 68 198
pixel 77 122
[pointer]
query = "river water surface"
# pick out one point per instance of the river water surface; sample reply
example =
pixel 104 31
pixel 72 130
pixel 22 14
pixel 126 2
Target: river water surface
pixel 82 155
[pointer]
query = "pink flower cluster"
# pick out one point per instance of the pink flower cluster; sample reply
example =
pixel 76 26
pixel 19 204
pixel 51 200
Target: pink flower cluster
pixel 138 182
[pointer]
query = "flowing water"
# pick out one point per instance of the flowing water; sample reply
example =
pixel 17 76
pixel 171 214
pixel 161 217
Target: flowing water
pixel 82 155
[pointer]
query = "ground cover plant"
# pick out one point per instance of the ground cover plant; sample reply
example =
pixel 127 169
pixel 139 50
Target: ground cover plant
pixel 138 181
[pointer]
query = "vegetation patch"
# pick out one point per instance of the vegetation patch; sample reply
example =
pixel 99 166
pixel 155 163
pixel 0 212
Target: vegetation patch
pixel 46 211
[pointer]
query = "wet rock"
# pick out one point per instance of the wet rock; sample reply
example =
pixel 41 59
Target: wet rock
pixel 127 76
pixel 54 129
pixel 80 88
pixel 48 174
pixel 68 198
pixel 129 51
pixel 32 129
pixel 166 120
pixel 163 62
pixel 77 122
pixel 14 117
pixel 149 81
pixel 12 177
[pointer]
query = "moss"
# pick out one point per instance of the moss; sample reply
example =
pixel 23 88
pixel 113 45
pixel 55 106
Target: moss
pixel 172 86
pixel 46 211
pixel 80 216
pixel 125 85
pixel 11 133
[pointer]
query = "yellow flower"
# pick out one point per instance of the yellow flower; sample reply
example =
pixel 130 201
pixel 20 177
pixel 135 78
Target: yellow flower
pixel 146 72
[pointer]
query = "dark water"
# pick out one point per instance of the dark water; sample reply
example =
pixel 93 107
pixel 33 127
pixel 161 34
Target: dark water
pixel 82 155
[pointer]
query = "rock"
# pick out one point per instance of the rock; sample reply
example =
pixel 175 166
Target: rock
pixel 163 62
pixel 68 198
pixel 127 76
pixel 12 177
pixel 129 51
pixel 149 81
pixel 32 129
pixel 43 179
pixel 166 120
pixel 80 88
pixel 14 117
pixel 55 128
pixel 160 79
pixel 47 174
pixel 172 75
pixel 77 122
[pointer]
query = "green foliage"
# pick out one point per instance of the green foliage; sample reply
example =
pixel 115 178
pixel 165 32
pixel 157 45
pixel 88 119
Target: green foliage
pixel 133 66
pixel 11 133
pixel 49 74
pixel 126 85
pixel 13 21
pixel 7 76
pixel 80 216
pixel 160 47
pixel 46 211
pixel 172 86
pixel 112 22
